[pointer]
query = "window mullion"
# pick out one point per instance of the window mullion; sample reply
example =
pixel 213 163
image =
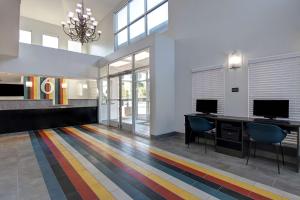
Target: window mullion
pixel 145 18
pixel 128 21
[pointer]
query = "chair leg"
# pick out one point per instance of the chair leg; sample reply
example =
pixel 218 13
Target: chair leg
pixel 282 153
pixel 249 152
pixel 189 139
pixel 254 149
pixel 205 141
pixel 277 158
pixel 215 144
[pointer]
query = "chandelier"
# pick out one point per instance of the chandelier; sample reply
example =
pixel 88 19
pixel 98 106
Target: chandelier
pixel 81 26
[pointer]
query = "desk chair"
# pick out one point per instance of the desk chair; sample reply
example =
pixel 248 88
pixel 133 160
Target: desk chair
pixel 266 134
pixel 200 127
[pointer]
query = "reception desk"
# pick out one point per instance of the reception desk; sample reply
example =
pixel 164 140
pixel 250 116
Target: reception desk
pixel 34 115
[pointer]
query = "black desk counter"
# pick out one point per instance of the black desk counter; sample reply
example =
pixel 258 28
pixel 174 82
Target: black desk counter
pixel 43 118
pixel 236 146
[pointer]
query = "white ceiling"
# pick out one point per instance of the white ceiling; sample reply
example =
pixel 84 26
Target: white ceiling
pixel 55 11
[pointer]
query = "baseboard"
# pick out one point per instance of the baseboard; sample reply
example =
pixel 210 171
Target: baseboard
pixel 165 135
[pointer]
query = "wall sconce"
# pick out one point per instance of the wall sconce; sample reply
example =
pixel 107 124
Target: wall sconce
pixel 235 60
pixel 28 84
pixel 64 85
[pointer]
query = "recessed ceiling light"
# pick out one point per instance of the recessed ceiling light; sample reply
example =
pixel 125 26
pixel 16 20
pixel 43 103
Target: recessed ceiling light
pixel 119 63
pixel 141 56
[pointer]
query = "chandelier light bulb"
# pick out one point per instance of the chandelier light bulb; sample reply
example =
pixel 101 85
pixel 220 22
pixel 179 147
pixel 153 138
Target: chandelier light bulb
pixel 85 16
pixel 92 19
pixel 63 23
pixel 99 32
pixel 71 14
pixel 87 34
pixel 88 10
pixel 69 22
pixel 89 13
pixel 78 10
pixel 79 5
pixel 95 23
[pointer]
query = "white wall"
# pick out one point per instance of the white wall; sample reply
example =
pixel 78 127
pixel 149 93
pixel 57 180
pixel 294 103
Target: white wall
pixel 105 45
pixel 37 60
pixel 9 27
pixel 76 91
pixel 38 28
pixel 163 86
pixel 207 30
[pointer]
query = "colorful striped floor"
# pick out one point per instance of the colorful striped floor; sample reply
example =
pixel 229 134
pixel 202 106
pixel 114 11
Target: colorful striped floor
pixel 89 162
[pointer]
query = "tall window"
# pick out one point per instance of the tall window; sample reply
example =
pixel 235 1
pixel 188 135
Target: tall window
pixel 139 18
pixel 50 41
pixel 25 37
pixel 74 46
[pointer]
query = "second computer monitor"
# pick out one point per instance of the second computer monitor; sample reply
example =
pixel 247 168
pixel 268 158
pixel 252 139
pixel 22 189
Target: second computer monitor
pixel 271 108
pixel 207 106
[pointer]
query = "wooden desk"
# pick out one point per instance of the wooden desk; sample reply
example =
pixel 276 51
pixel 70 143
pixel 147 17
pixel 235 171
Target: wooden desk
pixel 237 146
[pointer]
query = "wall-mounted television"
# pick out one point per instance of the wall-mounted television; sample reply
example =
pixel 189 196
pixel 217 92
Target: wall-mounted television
pixel 271 108
pixel 207 106
pixel 11 90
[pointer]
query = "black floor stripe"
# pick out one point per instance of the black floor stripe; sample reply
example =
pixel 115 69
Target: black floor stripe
pixel 67 186
pixel 187 177
pixel 133 187
pixel 54 189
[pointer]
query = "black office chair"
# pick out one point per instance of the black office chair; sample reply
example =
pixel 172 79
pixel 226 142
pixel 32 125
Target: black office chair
pixel 200 127
pixel 266 134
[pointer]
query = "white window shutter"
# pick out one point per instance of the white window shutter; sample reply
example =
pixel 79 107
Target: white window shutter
pixel 209 84
pixel 276 78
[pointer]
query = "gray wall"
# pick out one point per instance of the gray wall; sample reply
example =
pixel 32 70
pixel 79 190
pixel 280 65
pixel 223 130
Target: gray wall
pixel 37 60
pixel 39 28
pixel 207 30
pixel 9 26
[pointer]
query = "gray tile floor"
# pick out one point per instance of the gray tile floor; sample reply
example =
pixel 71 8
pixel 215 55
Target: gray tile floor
pixel 20 175
pixel 259 169
pixel 21 178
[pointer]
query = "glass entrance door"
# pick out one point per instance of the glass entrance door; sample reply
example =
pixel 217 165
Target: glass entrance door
pixel 128 83
pixel 142 102
pixel 126 102
pixel 103 101
pixel 114 102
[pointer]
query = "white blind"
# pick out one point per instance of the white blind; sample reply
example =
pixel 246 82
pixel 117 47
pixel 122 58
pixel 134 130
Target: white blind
pixel 276 78
pixel 209 84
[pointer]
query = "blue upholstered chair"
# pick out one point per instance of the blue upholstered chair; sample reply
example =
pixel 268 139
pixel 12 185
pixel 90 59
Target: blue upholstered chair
pixel 266 134
pixel 200 127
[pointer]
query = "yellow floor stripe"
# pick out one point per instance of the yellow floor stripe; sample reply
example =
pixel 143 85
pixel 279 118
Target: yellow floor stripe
pixel 163 182
pixel 100 191
pixel 212 173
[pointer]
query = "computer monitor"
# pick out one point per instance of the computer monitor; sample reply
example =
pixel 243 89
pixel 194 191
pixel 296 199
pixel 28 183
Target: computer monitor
pixel 271 108
pixel 207 106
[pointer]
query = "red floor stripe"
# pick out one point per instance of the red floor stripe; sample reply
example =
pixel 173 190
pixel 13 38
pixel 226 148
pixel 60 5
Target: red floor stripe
pixel 80 185
pixel 145 180
pixel 215 180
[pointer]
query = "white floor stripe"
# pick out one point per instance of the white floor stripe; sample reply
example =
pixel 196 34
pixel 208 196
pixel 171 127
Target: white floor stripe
pixel 117 192
pixel 175 181
pixel 250 182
